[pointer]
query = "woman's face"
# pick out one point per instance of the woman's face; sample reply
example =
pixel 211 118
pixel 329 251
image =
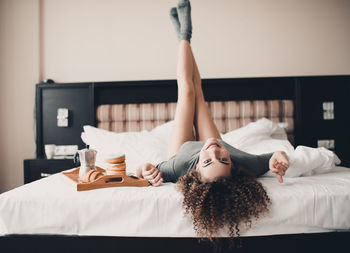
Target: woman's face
pixel 214 161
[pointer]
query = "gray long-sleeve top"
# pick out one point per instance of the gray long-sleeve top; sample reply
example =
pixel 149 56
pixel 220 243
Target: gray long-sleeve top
pixel 188 156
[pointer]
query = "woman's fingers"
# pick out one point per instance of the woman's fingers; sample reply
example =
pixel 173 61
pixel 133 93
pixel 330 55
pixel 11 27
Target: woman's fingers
pixel 157 183
pixel 283 168
pixel 280 157
pixel 279 164
pixel 280 171
pixel 283 159
pixel 149 170
pixel 153 173
pixel 155 178
pixel 280 179
pixel 151 176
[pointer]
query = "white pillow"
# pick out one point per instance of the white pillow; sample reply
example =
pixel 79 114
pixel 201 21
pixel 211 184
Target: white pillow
pixel 139 147
pixel 254 132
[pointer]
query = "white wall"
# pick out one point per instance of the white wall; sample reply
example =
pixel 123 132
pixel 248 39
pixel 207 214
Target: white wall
pixel 19 71
pixel 89 40
pixel 111 40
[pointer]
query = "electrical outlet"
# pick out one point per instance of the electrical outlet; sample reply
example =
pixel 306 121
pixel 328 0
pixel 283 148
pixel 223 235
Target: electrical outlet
pixel 328 110
pixel 329 144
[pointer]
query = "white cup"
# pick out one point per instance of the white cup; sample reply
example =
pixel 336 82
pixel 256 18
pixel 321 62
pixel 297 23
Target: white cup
pixel 50 150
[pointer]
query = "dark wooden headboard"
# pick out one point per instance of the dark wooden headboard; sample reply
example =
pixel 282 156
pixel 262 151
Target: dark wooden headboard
pixel 307 93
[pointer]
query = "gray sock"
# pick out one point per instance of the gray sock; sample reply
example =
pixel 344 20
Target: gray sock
pixel 184 14
pixel 175 19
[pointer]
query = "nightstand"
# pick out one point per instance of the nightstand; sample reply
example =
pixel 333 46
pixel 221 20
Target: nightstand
pixel 35 169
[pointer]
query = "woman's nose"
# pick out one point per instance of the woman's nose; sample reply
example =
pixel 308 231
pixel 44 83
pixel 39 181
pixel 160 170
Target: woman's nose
pixel 214 153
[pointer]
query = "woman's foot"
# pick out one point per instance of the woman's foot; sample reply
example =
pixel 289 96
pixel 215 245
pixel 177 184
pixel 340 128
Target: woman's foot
pixel 184 16
pixel 175 20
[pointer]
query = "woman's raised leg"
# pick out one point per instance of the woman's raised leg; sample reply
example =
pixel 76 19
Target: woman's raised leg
pixel 184 113
pixel 203 122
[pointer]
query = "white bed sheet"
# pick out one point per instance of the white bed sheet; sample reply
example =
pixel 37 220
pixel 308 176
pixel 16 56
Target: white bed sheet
pixel 317 203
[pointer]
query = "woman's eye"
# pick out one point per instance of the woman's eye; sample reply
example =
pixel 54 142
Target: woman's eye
pixel 206 161
pixel 224 159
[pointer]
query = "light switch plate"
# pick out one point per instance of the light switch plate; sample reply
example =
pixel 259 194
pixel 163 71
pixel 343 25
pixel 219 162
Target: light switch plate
pixel 329 144
pixel 62 117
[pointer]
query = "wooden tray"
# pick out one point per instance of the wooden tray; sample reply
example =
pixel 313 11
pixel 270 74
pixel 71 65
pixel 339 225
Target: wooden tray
pixel 105 181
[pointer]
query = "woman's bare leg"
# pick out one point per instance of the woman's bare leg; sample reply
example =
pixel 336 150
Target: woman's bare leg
pixel 203 122
pixel 184 113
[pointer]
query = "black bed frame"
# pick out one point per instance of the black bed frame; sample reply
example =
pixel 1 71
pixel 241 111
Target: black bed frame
pixel 296 243
pixel 308 93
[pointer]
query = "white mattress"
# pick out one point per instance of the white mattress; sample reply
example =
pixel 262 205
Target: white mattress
pixel 318 203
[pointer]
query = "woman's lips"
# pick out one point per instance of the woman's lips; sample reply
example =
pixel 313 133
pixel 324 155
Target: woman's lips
pixel 213 143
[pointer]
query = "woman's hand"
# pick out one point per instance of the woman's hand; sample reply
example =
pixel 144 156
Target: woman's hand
pixel 149 172
pixel 279 164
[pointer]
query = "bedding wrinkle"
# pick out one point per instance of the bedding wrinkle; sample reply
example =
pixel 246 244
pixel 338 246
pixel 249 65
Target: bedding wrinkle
pixel 315 209
pixel 294 194
pixel 323 209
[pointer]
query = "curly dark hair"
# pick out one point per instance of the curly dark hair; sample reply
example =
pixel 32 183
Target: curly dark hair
pixel 225 202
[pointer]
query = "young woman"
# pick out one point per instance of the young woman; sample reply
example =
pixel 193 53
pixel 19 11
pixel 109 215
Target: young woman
pixel 217 180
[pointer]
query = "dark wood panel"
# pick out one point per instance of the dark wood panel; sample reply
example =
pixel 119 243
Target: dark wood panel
pixel 248 89
pixel 33 168
pixel 320 242
pixel 135 92
pixel 78 98
pixel 214 90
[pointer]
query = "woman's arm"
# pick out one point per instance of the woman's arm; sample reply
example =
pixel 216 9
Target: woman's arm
pixel 257 165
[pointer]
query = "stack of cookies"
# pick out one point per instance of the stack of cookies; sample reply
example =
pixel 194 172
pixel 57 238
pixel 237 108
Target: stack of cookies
pixel 116 166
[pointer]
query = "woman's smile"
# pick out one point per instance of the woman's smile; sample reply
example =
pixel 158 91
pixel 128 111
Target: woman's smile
pixel 213 144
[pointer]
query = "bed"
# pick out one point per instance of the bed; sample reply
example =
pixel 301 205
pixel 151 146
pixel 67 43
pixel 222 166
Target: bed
pixel 310 212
